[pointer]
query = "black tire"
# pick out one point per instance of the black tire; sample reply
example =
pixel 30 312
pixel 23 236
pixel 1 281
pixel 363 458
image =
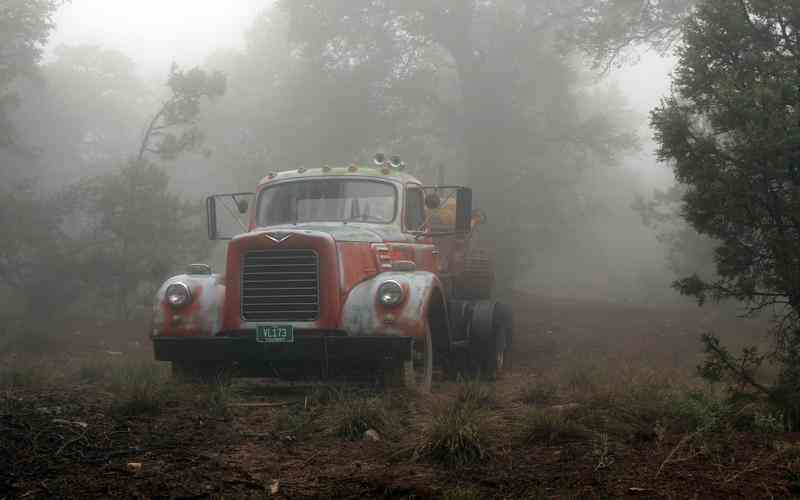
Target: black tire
pixel 491 335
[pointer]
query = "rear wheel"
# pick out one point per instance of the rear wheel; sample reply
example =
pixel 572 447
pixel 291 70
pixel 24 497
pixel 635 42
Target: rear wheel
pixel 491 332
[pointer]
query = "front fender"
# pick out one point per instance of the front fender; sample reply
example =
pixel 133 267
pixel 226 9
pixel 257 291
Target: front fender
pixel 363 315
pixel 203 317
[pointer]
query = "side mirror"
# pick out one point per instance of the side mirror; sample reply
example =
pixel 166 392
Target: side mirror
pixel 227 222
pixel 211 217
pixel 464 210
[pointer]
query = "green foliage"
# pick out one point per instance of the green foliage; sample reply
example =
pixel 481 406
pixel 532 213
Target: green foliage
pixel 455 435
pixel 137 232
pixel 731 132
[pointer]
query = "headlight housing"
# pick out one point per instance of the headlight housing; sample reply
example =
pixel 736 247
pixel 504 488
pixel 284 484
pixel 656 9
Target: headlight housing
pixel 178 295
pixel 390 293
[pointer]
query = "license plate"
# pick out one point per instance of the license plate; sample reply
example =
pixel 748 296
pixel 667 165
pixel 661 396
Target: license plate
pixel 275 334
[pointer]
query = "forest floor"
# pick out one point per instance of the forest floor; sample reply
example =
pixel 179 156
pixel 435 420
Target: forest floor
pixel 602 402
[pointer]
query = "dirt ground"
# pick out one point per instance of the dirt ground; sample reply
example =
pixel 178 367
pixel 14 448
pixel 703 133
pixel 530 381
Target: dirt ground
pixel 61 437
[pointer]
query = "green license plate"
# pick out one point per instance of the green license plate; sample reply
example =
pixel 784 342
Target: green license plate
pixel 275 334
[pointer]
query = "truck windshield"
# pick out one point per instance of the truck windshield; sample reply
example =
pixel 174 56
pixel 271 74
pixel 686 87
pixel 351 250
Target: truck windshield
pixel 327 200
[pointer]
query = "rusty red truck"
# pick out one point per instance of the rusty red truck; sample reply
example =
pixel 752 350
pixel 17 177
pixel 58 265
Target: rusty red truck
pixel 339 269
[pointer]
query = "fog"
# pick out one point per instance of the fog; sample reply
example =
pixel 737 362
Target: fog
pixel 156 33
pixel 573 158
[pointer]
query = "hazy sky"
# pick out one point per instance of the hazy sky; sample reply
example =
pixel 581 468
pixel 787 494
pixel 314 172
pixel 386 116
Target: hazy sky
pixel 156 32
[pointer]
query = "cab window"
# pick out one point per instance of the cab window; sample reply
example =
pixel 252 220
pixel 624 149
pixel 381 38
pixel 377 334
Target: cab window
pixel 415 209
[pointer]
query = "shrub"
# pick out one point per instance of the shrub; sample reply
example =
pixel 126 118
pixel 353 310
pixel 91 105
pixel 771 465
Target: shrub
pixel 140 388
pixel 455 435
pixel 351 417
pixel 476 393
pixel 550 427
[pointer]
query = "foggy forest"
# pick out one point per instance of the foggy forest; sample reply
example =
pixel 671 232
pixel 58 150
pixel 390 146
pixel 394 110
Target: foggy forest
pixel 506 249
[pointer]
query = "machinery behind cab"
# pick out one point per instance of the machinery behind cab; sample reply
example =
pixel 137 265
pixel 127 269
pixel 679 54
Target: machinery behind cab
pixel 333 269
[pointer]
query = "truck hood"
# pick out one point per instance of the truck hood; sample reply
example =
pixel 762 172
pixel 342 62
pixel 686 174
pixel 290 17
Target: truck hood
pixel 351 232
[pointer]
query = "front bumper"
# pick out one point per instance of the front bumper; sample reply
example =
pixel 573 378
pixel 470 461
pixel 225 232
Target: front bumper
pixel 307 347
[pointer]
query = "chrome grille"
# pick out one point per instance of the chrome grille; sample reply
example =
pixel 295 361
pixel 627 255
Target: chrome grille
pixel 280 285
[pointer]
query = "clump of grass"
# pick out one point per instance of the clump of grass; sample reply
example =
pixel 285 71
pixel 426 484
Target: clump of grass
pixel 294 421
pixel 220 394
pixel 551 428
pixel 461 494
pixel 542 393
pixel 455 435
pixel 23 377
pixel 351 417
pixel 141 388
pixel 94 369
pixel 476 393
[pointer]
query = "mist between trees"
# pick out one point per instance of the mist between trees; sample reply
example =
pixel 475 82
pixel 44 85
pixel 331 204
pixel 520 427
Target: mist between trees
pixel 102 174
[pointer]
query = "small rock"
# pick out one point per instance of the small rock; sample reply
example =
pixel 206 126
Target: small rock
pixel 563 408
pixel 82 425
pixel 274 487
pixel 134 467
pixel 372 435
pixel 633 490
pixel 50 410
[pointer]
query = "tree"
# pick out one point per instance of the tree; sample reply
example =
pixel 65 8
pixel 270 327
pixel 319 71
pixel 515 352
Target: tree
pixel 732 133
pixel 173 129
pixel 464 81
pixel 25 26
pixel 606 29
pixel 136 229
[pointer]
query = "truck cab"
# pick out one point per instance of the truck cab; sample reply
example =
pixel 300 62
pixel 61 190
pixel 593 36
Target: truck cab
pixel 338 269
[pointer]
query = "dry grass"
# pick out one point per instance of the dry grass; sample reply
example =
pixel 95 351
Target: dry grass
pixel 141 387
pixel 456 434
pixel 550 427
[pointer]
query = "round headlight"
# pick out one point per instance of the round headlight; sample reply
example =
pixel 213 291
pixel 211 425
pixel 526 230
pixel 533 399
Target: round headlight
pixel 178 295
pixel 390 293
